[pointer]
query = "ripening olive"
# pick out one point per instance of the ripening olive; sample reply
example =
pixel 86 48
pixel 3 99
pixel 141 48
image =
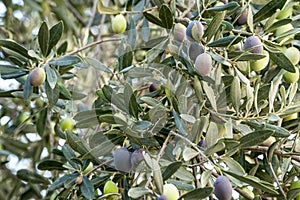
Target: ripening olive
pixel 223 188
pixel 259 65
pixel 194 31
pixel 253 44
pixel 203 64
pixel 243 17
pixel 118 24
pixel 137 157
pixel 170 191
pixel 122 159
pixel 162 198
pixel 195 50
pixel 179 32
pixel 290 77
pixel 293 54
pixel 37 77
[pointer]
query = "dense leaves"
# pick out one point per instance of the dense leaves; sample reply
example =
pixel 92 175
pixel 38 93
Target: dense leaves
pixel 148 89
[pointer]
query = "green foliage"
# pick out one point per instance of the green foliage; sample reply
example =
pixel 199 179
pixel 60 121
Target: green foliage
pixel 143 92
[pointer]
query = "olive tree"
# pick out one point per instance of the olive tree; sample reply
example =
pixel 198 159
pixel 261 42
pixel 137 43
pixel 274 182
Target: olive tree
pixel 150 99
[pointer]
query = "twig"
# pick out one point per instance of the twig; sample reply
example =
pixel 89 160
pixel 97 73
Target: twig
pixel 97 167
pixel 159 155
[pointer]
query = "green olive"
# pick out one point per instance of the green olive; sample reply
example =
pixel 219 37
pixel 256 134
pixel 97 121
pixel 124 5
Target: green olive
pixel 170 191
pixel 119 24
pixel 290 77
pixel 67 124
pixel 259 65
pixel 110 187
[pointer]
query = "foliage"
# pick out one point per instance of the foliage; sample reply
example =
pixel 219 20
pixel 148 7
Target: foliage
pixel 191 128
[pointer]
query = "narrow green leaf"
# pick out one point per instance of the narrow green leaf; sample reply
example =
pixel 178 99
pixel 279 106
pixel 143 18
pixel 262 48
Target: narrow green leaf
pixel 55 35
pixel 13 46
pixel 278 24
pixel 87 188
pixel 153 19
pixel 31 177
pixel 65 61
pixel 41 122
pixel 62 48
pixel 69 155
pixel 235 93
pixel 268 10
pixel 282 61
pixel 171 169
pixel 51 165
pixel 227 6
pixel 157 176
pixel 252 181
pixel 214 26
pixel 105 10
pixel 58 183
pixel 244 56
pixel 225 41
pixel 52 94
pixel 28 90
pixel 255 138
pixel 51 76
pixel 43 38
pixel 199 193
pixel 261 125
pixel 166 16
pixel 98 65
pixel 210 95
pixel 137 192
pixel 179 124
pixel 293 194
pixel 76 143
pixel 130 101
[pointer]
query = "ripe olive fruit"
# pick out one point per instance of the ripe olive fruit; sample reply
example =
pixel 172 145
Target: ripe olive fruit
pixel 37 77
pixel 67 124
pixel 259 65
pixel 179 32
pixel 170 191
pixel 253 44
pixel 137 157
pixel 195 50
pixel 203 64
pixel 122 159
pixel 202 143
pixel 118 24
pixel 293 54
pixel 243 17
pixel 296 185
pixel 195 31
pixel 110 187
pixel 290 77
pixel 223 188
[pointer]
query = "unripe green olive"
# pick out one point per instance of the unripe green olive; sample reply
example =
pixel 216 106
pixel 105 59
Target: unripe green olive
pixel 119 24
pixel 179 32
pixel 37 77
pixel 290 77
pixel 195 50
pixel 223 188
pixel 88 168
pixel 122 159
pixel 282 30
pixel 253 44
pixel 110 187
pixel 293 54
pixel 259 65
pixel 203 64
pixel 170 191
pixel 194 31
pixel 67 124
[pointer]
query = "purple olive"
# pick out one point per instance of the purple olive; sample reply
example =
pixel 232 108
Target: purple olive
pixel 253 43
pixel 203 64
pixel 137 157
pixel 122 159
pixel 194 31
pixel 223 188
pixel 243 17
pixel 195 50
